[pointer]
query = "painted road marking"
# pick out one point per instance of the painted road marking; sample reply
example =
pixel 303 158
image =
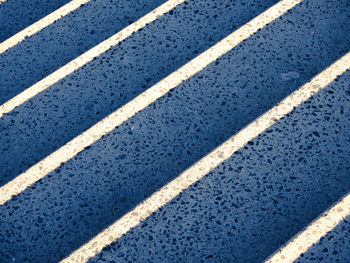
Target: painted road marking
pixel 93 134
pixel 41 24
pixel 90 136
pixel 209 162
pixel 87 56
pixel 313 233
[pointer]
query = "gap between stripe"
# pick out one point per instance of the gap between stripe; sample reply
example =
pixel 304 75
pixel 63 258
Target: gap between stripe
pixel 85 57
pixel 211 161
pixel 301 242
pixel 41 24
pixel 105 126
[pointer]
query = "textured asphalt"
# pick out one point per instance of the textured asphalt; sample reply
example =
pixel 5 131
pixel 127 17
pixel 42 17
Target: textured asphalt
pixel 244 209
pixel 334 247
pixel 67 38
pixel 19 14
pixel 254 202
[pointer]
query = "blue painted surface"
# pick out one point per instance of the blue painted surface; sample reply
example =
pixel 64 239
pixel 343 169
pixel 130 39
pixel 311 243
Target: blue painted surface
pixel 73 105
pixel 53 47
pixel 70 107
pixel 244 209
pixel 15 15
pixel 334 247
pixel 255 201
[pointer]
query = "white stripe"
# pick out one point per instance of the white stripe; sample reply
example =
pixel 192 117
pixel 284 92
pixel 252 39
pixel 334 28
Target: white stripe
pixel 313 233
pixel 208 163
pixel 87 56
pixel 42 23
pixel 72 148
pixel 90 136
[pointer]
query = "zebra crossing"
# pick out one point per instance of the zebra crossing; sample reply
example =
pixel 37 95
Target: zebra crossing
pixel 124 148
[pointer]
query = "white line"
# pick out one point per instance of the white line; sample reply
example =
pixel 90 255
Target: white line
pixel 313 233
pixel 42 23
pixel 87 56
pixel 68 151
pixel 208 163
pixel 90 136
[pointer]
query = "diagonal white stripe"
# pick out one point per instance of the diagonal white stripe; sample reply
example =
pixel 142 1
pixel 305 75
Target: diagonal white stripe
pixel 41 24
pixel 87 56
pixel 93 134
pixel 209 162
pixel 313 233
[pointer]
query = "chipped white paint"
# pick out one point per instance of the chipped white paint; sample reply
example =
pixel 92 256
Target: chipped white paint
pixel 86 57
pixel 41 24
pixel 313 233
pixel 209 162
pixel 93 134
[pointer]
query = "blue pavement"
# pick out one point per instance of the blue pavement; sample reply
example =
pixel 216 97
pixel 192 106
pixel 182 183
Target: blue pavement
pixel 243 210
pixel 334 247
pixel 43 53
pixel 74 104
pixel 254 202
pixel 15 15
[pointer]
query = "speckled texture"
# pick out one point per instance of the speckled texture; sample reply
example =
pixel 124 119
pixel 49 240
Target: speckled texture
pixel 16 15
pixel 237 211
pixel 334 247
pixel 127 111
pixel 221 153
pixel 74 104
pixel 54 46
pixel 254 202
